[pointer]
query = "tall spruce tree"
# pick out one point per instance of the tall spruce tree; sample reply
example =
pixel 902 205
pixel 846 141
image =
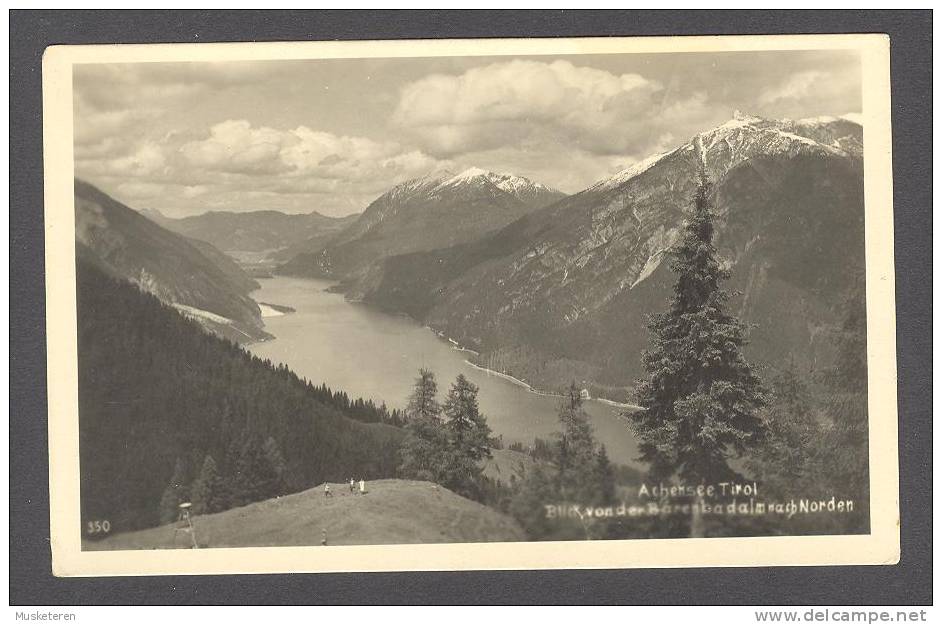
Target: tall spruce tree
pixel 700 400
pixel 604 478
pixel 424 452
pixel 575 449
pixel 204 491
pixel 278 469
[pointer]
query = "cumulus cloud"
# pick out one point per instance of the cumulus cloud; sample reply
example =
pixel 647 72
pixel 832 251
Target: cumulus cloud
pixel 250 165
pixel 510 102
pixel 236 147
pixel 299 135
pixel 146 161
pixel 233 146
pixel 796 87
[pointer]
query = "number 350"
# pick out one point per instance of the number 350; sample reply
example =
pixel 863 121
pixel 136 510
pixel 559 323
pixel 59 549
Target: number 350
pixel 99 527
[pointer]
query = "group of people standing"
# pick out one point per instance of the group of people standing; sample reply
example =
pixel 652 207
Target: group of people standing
pixel 353 487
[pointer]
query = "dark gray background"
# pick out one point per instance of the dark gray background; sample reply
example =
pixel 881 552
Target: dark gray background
pixel 910 582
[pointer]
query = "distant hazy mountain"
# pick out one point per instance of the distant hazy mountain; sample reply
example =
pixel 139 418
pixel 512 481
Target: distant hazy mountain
pixel 437 210
pixel 562 293
pixel 200 281
pixel 267 231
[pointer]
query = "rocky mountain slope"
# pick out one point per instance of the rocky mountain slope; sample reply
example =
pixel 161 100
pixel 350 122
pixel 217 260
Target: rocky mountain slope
pixel 562 293
pixel 386 514
pixel 438 210
pixel 198 279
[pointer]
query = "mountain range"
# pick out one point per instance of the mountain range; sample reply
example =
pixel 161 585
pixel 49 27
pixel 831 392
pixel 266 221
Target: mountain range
pixel 438 210
pixel 259 234
pixel 562 292
pixel 192 275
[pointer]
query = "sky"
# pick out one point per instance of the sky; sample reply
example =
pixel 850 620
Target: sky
pixel 333 135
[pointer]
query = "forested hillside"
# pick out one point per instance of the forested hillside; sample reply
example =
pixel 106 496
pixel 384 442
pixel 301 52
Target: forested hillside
pixel 170 413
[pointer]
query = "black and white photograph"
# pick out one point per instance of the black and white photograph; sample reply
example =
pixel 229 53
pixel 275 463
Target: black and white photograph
pixel 628 296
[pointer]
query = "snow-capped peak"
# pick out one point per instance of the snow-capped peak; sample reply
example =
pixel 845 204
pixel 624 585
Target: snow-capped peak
pixel 508 183
pixel 634 170
pixel 433 178
pixel 744 118
pixel 468 174
pixel 515 184
pixel 744 136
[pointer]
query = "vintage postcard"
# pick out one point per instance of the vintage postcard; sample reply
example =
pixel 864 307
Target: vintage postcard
pixel 470 304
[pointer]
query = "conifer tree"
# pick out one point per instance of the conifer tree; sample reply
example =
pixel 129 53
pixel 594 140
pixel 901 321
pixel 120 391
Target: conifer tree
pixel 446 451
pixel 604 478
pixel 574 470
pixel 536 490
pixel 575 448
pixel 781 462
pixel 174 494
pixel 204 490
pixel 700 400
pixel 277 468
pixel 422 402
pixel 228 491
pixel 843 457
pixel 259 478
pixel 424 452
pixel 467 427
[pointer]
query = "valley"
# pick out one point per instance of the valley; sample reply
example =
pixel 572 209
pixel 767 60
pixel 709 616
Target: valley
pixel 376 355
pixel 491 288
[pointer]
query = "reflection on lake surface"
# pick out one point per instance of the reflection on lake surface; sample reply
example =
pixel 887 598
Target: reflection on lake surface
pixel 374 355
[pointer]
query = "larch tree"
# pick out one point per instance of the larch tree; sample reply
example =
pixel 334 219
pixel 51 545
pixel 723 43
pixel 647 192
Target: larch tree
pixel 422 402
pixel 700 400
pixel 467 427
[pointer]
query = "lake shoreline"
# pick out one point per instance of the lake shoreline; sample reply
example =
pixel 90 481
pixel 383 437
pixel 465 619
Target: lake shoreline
pixel 516 381
pixel 374 355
